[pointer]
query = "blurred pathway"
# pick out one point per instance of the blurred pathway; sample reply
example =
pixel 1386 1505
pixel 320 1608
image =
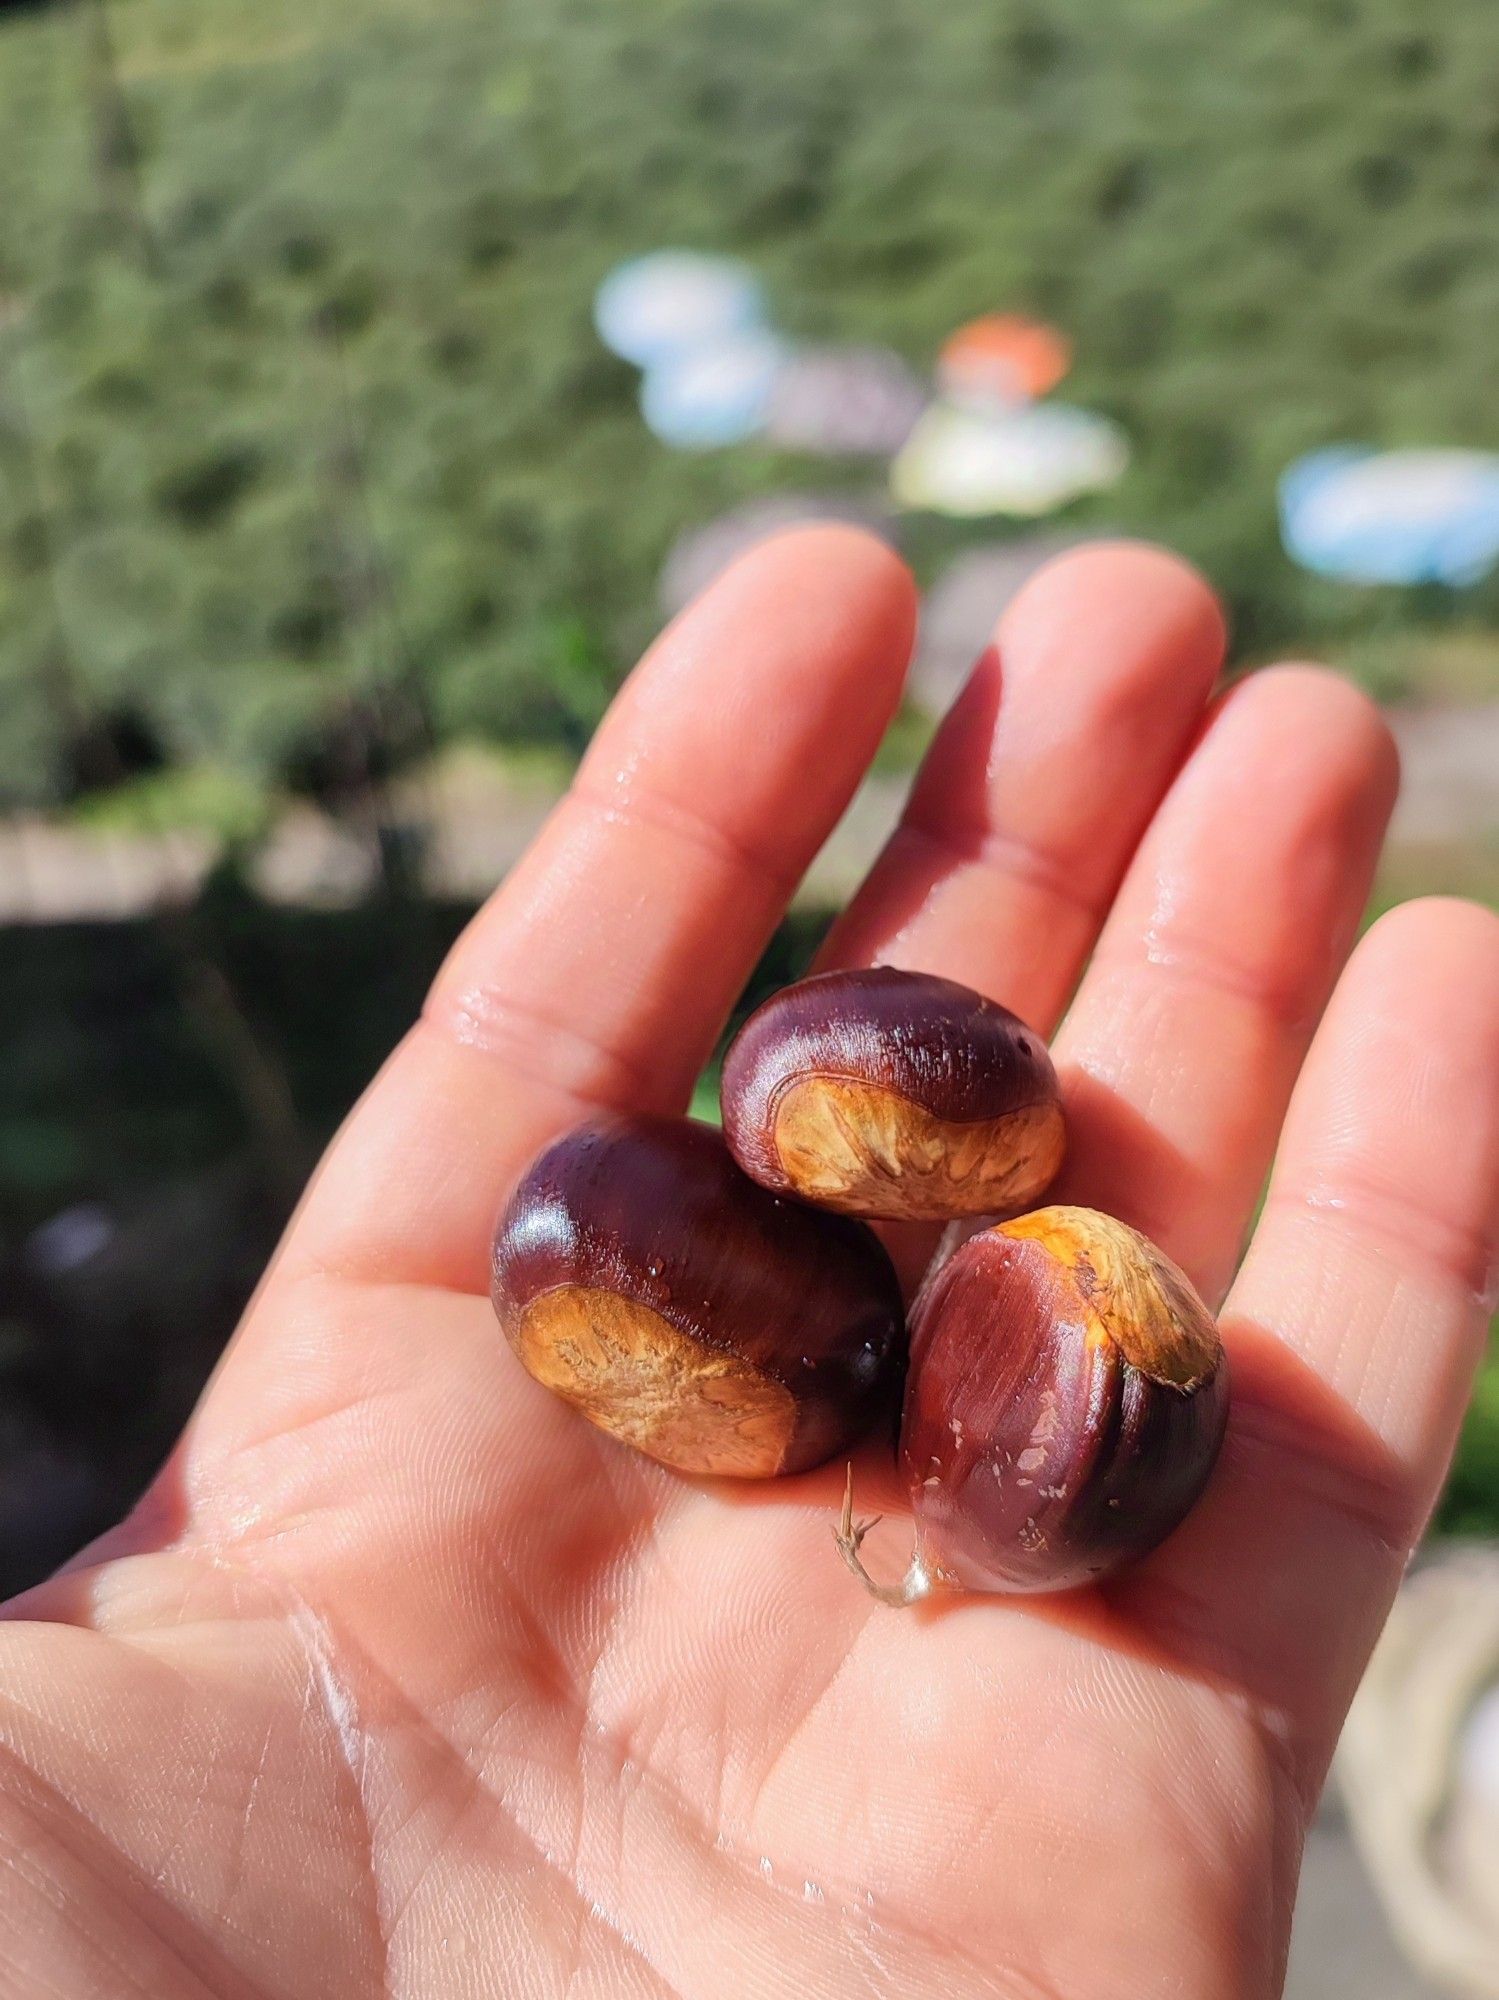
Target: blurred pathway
pixel 481 820
pixel 1341 1948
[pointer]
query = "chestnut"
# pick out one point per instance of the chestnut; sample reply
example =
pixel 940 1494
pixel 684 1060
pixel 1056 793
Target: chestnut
pixel 639 1274
pixel 893 1095
pixel 1065 1401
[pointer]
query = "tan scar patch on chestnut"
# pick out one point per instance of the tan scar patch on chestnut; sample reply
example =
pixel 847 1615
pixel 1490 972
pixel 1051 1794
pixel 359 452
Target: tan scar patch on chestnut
pixel 635 1375
pixel 1134 1296
pixel 870 1151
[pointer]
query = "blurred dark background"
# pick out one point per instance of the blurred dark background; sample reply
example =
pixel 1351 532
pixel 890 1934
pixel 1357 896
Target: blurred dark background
pixel 314 576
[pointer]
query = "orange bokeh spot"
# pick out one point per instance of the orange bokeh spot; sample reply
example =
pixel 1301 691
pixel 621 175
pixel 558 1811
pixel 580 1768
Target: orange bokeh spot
pixel 1003 355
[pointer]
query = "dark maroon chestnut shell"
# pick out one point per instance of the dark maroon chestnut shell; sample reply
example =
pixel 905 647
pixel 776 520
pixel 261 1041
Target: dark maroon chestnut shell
pixel 895 1095
pixel 805 1309
pixel 1037 1456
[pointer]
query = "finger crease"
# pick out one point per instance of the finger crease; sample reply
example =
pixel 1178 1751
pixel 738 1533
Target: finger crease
pixel 1004 854
pixel 1401 1222
pixel 681 822
pixel 1288 1011
pixel 540 1044
pixel 1377 1496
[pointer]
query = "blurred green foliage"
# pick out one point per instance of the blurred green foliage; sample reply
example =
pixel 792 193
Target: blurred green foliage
pixel 1470 1501
pixel 321 414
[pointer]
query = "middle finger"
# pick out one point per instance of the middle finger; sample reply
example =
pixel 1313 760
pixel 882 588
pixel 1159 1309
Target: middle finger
pixel 1042 779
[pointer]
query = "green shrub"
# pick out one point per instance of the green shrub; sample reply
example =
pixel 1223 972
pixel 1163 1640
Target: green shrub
pixel 333 414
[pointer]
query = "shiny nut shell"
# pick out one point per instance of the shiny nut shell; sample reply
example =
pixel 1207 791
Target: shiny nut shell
pixel 646 1280
pixel 893 1095
pixel 1066 1398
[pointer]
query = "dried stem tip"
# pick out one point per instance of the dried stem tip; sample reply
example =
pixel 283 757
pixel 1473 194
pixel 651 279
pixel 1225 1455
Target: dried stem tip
pixel 849 1536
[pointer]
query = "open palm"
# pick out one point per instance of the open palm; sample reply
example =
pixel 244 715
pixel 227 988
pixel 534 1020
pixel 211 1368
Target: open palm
pixel 403 1681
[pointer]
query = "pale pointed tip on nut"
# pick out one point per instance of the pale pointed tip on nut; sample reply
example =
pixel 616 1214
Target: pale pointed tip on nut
pixel 849 1536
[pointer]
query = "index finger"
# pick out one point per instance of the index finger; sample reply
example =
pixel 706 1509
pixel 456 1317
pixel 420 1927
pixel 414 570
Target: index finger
pixel 601 971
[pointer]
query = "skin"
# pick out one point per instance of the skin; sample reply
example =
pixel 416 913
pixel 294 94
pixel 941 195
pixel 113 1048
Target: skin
pixel 405 1681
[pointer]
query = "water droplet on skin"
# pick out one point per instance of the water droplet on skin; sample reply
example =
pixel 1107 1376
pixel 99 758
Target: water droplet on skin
pixel 767 1866
pixel 812 1892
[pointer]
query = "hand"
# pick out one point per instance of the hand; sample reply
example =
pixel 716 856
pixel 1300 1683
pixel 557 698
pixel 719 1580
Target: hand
pixel 404 1681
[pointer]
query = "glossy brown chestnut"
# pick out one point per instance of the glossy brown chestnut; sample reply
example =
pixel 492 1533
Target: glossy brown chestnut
pixel 639 1274
pixel 1066 1398
pixel 893 1095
